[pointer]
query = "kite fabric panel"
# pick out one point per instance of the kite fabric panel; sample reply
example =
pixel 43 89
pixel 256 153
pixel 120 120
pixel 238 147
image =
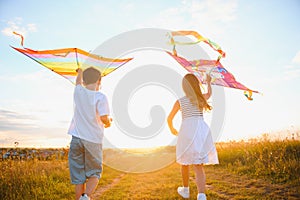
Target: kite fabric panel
pixel 220 76
pixel 66 61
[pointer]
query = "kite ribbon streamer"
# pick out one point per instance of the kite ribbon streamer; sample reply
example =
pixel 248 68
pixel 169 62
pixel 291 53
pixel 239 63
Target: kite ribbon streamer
pixel 22 38
pixel 199 38
pixel 248 94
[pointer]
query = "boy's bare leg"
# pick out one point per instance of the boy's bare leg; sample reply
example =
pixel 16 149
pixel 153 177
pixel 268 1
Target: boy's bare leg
pixel 200 178
pixel 185 175
pixel 79 189
pixel 91 185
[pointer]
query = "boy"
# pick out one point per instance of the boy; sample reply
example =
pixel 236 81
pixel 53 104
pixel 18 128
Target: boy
pixel 91 116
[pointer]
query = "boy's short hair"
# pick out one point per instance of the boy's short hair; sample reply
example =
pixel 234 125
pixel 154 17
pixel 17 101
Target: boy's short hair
pixel 91 75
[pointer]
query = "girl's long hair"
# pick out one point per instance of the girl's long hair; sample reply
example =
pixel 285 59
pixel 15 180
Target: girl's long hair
pixel 191 88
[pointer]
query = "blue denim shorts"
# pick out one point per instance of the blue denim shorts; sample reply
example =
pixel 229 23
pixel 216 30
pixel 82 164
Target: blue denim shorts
pixel 85 160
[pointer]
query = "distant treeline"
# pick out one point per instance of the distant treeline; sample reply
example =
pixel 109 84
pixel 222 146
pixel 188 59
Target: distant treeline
pixel 32 154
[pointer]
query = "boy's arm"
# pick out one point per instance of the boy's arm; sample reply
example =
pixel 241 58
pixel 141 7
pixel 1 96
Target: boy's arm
pixel 79 77
pixel 106 120
pixel 103 112
pixel 209 91
pixel 171 116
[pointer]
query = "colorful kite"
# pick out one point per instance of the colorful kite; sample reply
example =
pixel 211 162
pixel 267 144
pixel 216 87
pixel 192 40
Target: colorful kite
pixel 65 61
pixel 220 76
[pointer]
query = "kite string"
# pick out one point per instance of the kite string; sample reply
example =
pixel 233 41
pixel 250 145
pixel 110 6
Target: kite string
pixel 77 59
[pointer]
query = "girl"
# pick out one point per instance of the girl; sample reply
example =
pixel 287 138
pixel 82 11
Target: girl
pixel 195 144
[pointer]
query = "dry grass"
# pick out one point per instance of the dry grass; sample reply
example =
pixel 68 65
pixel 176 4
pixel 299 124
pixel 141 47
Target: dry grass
pixel 277 161
pixel 34 180
pixel 260 169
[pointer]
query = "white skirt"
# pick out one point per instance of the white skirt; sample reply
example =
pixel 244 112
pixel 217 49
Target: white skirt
pixel 195 144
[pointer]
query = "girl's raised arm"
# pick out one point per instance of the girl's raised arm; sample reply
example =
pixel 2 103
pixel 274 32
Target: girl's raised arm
pixel 209 91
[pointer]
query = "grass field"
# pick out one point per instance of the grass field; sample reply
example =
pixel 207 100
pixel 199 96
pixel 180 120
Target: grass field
pixel 260 169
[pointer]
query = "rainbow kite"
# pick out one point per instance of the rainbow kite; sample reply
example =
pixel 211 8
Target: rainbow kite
pixel 66 61
pixel 220 76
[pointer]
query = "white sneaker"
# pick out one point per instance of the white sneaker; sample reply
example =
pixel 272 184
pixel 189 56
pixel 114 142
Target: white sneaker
pixel 84 197
pixel 184 192
pixel 201 196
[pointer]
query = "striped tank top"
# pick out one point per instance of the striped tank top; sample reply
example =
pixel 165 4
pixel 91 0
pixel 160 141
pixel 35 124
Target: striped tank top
pixel 188 109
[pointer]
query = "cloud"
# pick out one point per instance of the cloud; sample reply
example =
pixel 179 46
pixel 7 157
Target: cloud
pixel 17 25
pixel 41 75
pixel 31 27
pixel 35 138
pixel 213 11
pixel 15 126
pixel 12 114
pixel 288 67
pixel 296 59
pixel 292 71
pixel 10 120
pixel 128 7
pixel 196 15
pixel 291 74
pixel 41 110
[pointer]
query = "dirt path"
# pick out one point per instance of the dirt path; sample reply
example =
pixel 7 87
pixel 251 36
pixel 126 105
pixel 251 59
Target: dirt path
pixel 101 190
pixel 221 184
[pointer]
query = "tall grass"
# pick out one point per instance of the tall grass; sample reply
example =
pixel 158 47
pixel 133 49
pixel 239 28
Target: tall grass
pixel 274 160
pixel 35 180
pixel 41 180
pixel 277 161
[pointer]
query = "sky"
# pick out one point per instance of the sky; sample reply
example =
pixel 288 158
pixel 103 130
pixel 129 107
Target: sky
pixel 261 40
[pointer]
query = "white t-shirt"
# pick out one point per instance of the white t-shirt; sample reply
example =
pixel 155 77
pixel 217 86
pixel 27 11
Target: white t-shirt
pixel 88 107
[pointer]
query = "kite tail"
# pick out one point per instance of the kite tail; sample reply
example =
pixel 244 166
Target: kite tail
pixel 199 38
pixel 22 38
pixel 248 94
pixel 172 42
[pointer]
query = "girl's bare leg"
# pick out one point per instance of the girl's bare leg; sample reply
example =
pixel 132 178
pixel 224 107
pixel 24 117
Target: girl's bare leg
pixel 200 178
pixel 185 175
